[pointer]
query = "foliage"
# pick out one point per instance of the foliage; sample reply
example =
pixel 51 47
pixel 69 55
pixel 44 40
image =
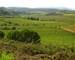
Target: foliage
pixel 33 18
pixel 6 56
pixel 24 36
pixel 2 34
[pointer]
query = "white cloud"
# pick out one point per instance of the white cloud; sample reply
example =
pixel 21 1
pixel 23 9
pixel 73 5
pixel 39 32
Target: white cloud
pixel 38 3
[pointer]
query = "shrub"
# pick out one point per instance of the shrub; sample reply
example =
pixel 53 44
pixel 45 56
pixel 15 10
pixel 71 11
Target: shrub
pixel 13 28
pixel 24 36
pixel 10 22
pixel 13 35
pixel 33 18
pixel 1 34
pixel 30 36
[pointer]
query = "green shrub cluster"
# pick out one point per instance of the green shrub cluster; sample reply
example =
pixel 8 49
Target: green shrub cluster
pixel 24 36
pixel 33 18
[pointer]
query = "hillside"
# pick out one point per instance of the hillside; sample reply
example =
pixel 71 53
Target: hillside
pixel 23 10
pixel 37 34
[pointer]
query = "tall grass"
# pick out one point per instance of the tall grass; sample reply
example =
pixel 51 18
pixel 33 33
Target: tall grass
pixel 6 56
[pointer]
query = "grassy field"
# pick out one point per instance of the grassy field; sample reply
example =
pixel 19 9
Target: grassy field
pixel 48 27
pixel 57 38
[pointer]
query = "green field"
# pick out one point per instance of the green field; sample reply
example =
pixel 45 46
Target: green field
pixel 37 33
pixel 48 27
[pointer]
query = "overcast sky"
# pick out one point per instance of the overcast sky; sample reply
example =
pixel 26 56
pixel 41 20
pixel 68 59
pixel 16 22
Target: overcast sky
pixel 38 3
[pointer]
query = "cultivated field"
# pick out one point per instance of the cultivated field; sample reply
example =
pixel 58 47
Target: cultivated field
pixel 56 32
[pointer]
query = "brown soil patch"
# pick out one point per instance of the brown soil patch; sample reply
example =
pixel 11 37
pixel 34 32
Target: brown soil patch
pixel 69 29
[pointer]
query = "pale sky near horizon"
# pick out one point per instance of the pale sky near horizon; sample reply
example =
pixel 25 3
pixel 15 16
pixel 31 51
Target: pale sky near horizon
pixel 38 3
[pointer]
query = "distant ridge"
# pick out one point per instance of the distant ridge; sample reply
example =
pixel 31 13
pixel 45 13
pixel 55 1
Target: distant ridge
pixel 23 10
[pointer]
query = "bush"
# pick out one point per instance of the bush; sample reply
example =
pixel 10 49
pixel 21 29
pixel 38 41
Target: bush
pixel 24 36
pixel 33 18
pixel 5 28
pixel 1 34
pixel 13 28
pixel 13 35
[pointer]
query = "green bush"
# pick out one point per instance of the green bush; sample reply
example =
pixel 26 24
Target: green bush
pixel 13 35
pixel 1 34
pixel 24 36
pixel 13 28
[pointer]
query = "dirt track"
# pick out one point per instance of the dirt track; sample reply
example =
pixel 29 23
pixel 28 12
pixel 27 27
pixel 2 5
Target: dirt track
pixel 69 29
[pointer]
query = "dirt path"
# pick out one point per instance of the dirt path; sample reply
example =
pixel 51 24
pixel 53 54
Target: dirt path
pixel 69 29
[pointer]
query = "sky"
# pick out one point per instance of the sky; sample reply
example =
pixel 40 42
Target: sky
pixel 38 3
